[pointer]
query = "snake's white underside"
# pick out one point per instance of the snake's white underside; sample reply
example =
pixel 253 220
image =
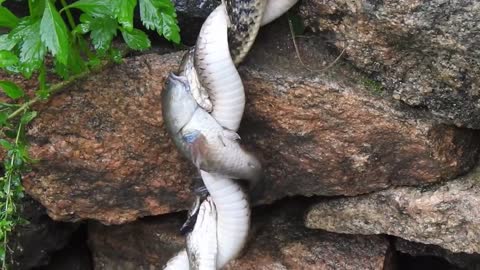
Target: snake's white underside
pixel 220 77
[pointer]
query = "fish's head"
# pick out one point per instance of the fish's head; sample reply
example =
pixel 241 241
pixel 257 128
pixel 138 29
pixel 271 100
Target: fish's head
pixel 178 104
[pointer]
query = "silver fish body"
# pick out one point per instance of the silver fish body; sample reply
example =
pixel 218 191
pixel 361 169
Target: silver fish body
pixel 217 150
pixel 202 240
pixel 178 105
pixel 201 139
pixel 232 226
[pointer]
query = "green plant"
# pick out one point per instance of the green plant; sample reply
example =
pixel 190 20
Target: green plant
pixel 374 86
pixel 50 42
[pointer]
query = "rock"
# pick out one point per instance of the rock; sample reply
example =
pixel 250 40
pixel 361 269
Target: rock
pixel 191 15
pixel 423 52
pixel 32 244
pixel 279 241
pixel 445 214
pixel 195 8
pixel 74 256
pixel 463 260
pixel 105 155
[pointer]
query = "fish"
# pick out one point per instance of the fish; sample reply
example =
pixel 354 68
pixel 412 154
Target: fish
pixel 202 246
pixel 201 139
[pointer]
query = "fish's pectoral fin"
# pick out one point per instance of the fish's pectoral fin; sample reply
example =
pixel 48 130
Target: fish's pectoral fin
pixel 197 145
pixel 228 135
pixel 231 135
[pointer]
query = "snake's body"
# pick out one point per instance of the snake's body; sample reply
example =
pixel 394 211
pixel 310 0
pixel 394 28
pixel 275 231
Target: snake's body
pixel 214 83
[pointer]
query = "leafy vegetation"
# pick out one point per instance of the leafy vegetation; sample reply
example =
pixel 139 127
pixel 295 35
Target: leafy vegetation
pixel 50 40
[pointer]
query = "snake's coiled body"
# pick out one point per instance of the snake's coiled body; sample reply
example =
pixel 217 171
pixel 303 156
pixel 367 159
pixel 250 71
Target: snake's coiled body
pixel 214 83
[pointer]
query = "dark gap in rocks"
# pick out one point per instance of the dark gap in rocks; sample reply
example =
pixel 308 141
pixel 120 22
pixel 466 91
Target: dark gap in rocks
pixel 408 262
pixel 74 256
pixel 31 243
pixel 77 255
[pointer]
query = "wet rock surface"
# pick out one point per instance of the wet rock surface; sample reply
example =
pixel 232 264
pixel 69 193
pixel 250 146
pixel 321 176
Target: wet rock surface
pixel 104 154
pixel 446 215
pixel 279 241
pixel 108 156
pixel 425 53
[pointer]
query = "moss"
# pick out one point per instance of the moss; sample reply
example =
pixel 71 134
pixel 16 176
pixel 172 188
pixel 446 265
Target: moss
pixel 372 85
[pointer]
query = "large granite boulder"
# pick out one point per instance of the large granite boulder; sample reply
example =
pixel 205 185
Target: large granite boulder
pixel 425 53
pixel 278 241
pixel 104 153
pixel 446 215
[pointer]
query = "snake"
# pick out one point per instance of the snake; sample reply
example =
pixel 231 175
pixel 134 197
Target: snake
pixel 202 110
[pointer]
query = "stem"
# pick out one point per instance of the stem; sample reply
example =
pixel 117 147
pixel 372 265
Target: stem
pixel 30 6
pixel 43 77
pixel 73 25
pixel 83 45
pixel 59 86
pixel 8 201
pixel 299 56
pixel 69 14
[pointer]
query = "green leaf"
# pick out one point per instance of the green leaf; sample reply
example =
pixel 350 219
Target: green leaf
pixel 75 64
pixel 149 14
pixel 37 7
pixel 54 33
pixel 103 29
pixel 116 55
pixel 6 144
pixel 165 6
pixel 27 117
pixel 97 8
pixel 82 28
pixel 160 15
pixel 3 118
pixel 7 18
pixel 12 134
pixel 7 59
pixel 170 29
pixel 94 62
pixel 2 250
pixel 11 89
pixel 32 49
pixel 7 43
pixel 136 39
pixel 124 13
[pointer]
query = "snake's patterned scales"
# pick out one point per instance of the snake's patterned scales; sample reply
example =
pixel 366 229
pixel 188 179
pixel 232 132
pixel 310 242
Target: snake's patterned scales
pixel 217 73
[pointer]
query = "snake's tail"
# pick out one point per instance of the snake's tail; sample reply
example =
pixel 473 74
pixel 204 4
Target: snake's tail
pixel 178 262
pixel 275 9
pixel 217 71
pixel 233 214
